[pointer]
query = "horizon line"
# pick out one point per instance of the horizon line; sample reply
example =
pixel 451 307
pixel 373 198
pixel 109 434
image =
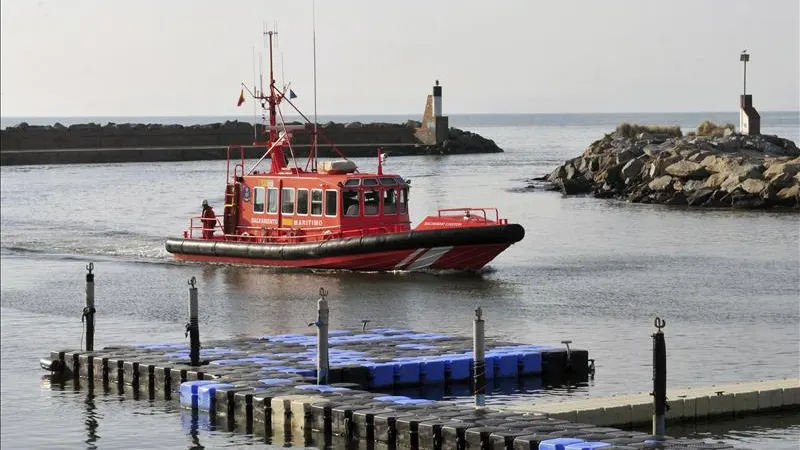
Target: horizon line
pixel 405 114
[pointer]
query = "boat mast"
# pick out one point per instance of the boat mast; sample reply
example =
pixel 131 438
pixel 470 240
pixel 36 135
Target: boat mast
pixel 272 117
pixel 314 43
pixel 255 110
pixel 277 156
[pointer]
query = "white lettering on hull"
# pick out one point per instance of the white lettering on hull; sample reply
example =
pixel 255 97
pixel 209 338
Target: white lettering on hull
pixel 264 221
pixel 307 223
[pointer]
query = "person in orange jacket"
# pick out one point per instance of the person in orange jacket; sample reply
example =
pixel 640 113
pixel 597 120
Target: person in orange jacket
pixel 209 220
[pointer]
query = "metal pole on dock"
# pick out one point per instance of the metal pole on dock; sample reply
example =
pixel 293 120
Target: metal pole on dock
pixel 323 314
pixel 659 379
pixel 88 310
pixel 193 327
pixel 479 367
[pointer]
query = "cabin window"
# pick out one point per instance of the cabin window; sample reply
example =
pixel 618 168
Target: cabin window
pixel 287 201
pixel 388 181
pixel 258 199
pixel 272 200
pixel 390 201
pixel 350 203
pixel 330 203
pixel 369 182
pixel 316 202
pixel 371 202
pixel 302 201
pixel 403 201
pixel 352 182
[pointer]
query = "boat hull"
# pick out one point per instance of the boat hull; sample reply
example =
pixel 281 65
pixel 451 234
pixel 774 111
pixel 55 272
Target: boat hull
pixel 467 248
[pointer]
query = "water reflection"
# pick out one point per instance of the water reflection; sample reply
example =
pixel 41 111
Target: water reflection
pixel 256 299
pixel 192 419
pixel 743 428
pixel 90 418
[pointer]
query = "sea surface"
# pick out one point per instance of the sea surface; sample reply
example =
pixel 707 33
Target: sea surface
pixel 597 272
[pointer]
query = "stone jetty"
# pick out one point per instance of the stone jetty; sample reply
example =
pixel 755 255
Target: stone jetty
pixel 713 167
pixel 92 142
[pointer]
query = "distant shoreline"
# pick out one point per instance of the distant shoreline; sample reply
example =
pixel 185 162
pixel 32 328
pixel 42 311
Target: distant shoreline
pixel 458 120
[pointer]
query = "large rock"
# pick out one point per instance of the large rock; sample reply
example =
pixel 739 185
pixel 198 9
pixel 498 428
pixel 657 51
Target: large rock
pixel 632 168
pixel 754 186
pixel 718 163
pixel 692 185
pixel 654 150
pixel 790 168
pixel 789 195
pixel 557 174
pixel 660 183
pixel 731 183
pixel 687 169
pixel 748 170
pixel 781 181
pixel 700 155
pixel 699 196
pixel 659 165
pixel 574 186
pixel 744 200
pixel 715 180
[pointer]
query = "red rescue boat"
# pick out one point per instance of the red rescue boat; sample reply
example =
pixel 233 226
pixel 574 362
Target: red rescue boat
pixel 330 215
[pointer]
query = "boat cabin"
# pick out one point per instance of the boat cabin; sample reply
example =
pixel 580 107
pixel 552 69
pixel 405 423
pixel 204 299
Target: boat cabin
pixel 332 202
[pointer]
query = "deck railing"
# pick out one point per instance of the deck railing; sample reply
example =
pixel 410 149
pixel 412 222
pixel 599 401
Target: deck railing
pixel 292 235
pixel 486 214
pixel 286 234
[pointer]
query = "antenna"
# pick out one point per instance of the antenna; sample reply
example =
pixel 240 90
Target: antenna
pixel 260 74
pixel 314 42
pixel 275 29
pixel 255 107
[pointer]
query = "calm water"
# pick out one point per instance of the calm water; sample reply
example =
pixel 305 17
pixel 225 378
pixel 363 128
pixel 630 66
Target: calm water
pixel 594 271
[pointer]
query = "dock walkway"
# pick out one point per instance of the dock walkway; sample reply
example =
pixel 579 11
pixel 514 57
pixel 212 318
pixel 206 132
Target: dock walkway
pixel 689 404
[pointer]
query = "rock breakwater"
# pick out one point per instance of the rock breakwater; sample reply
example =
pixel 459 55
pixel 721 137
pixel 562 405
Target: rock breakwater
pixel 712 168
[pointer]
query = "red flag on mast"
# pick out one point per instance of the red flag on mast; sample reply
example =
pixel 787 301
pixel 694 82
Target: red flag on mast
pixel 241 98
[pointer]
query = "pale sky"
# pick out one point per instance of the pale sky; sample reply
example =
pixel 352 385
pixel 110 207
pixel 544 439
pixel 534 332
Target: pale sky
pixel 187 57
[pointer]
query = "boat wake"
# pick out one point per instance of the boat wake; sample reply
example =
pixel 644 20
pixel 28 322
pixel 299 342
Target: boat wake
pixel 134 251
pixel 15 250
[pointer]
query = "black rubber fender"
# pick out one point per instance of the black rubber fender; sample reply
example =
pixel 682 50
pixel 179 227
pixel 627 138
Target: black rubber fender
pixel 495 234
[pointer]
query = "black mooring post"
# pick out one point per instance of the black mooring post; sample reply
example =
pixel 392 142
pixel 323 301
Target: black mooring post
pixel 88 310
pixel 193 327
pixel 659 379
